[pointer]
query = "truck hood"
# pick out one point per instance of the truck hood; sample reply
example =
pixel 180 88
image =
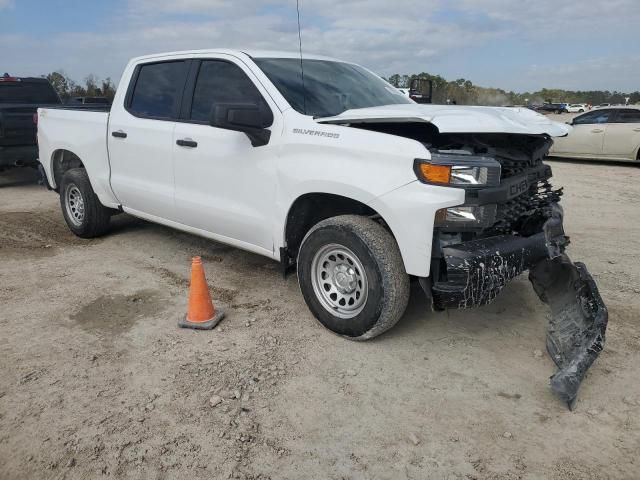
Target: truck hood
pixel 457 119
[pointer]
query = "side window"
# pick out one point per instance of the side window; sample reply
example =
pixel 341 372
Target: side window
pixel 629 115
pixel 157 90
pixel 221 82
pixel 597 116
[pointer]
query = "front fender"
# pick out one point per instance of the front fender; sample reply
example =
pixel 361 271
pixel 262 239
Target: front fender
pixel 410 212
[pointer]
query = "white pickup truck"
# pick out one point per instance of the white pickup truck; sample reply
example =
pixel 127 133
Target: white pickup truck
pixel 321 163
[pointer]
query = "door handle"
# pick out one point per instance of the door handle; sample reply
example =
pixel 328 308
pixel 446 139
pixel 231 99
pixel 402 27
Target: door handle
pixel 186 142
pixel 119 134
pixel 636 129
pixel 597 130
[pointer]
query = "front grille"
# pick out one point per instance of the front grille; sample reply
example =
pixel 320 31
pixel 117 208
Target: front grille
pixel 518 155
pixel 525 213
pixel 532 206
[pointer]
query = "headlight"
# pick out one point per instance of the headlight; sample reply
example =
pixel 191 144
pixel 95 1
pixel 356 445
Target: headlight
pixel 467 216
pixel 456 170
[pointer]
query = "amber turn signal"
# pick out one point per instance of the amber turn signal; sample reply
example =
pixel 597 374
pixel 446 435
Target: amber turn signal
pixel 434 173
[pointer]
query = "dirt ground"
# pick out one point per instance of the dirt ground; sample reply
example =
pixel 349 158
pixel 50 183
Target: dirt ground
pixel 97 380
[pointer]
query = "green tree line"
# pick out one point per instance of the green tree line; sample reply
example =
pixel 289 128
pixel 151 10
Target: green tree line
pixel 464 92
pixel 91 87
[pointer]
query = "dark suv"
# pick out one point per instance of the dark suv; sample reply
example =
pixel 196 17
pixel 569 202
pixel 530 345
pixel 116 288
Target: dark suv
pixel 553 108
pixel 19 102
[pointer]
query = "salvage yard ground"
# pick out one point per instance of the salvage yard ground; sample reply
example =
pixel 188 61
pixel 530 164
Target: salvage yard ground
pixel 97 380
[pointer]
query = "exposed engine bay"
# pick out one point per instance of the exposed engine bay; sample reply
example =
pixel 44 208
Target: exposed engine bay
pixel 510 224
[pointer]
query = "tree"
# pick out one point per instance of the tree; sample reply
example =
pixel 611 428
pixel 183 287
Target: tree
pixel 62 84
pixel 93 86
pixel 395 80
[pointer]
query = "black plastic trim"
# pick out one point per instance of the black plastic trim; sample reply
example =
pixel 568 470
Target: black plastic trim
pixel 509 188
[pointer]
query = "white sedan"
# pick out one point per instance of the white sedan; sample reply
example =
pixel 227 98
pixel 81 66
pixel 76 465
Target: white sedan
pixel 577 108
pixel 603 134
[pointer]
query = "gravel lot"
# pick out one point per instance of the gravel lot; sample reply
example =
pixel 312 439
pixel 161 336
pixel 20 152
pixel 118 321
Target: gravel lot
pixel 97 380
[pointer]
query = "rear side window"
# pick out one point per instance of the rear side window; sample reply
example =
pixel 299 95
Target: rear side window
pixel 221 82
pixel 27 92
pixel 627 116
pixel 597 116
pixel 158 90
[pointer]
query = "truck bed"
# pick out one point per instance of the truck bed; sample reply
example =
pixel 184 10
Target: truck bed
pixel 85 132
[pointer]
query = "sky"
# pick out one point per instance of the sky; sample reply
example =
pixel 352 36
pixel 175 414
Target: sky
pixel 520 45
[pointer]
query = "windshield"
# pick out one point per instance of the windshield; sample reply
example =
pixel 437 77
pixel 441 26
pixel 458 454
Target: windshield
pixel 330 87
pixel 27 92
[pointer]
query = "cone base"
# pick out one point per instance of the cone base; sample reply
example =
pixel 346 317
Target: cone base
pixel 208 325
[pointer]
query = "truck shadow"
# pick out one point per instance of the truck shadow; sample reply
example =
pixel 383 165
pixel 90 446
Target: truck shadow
pixel 515 311
pixel 19 177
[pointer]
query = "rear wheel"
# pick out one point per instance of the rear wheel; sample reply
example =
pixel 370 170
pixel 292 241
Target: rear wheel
pixel 81 208
pixel 352 276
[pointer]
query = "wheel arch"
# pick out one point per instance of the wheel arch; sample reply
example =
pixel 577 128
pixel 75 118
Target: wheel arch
pixel 63 160
pixel 309 209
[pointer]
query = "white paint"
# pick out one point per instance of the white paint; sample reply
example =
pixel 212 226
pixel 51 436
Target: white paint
pixel 232 192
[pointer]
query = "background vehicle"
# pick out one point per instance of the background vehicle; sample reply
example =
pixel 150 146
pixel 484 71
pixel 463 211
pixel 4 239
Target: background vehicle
pixel 577 108
pixel 603 105
pixel 421 90
pixel 341 175
pixel 604 133
pixel 553 108
pixel 20 98
pixel 88 101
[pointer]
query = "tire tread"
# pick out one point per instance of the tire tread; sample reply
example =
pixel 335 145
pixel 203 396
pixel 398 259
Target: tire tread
pixel 383 247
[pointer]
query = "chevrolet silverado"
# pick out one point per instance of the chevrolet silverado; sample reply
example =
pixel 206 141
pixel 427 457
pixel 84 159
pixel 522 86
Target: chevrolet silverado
pixel 321 164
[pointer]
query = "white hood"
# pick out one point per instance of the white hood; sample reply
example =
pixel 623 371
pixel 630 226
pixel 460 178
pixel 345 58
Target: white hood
pixel 457 118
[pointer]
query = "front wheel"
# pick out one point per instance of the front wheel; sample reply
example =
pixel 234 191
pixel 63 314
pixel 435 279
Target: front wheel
pixel 352 276
pixel 81 208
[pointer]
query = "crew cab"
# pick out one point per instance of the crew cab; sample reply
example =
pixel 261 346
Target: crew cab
pixel 20 97
pixel 338 173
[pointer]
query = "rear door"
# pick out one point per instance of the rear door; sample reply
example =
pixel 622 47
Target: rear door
pixel 586 138
pixel 622 138
pixel 140 138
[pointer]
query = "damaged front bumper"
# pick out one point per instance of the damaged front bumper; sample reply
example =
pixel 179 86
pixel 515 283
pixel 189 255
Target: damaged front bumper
pixel 476 271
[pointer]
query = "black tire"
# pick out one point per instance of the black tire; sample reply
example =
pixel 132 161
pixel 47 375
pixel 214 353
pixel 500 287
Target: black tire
pixel 385 284
pixel 581 111
pixel 93 221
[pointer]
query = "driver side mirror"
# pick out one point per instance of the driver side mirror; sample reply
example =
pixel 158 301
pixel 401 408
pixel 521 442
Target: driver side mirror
pixel 252 119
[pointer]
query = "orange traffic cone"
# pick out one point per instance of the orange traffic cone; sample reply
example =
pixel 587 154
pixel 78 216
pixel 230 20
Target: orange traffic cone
pixel 201 313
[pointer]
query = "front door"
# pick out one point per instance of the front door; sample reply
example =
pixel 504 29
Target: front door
pixel 623 134
pixel 586 137
pixel 224 185
pixel 140 139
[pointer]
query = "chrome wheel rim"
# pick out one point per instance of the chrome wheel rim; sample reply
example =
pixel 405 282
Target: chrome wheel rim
pixel 339 281
pixel 74 203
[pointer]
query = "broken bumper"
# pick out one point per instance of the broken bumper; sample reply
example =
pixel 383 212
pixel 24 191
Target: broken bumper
pixel 478 270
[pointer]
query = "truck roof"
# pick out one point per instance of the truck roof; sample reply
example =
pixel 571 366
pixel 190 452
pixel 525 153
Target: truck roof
pixel 249 52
